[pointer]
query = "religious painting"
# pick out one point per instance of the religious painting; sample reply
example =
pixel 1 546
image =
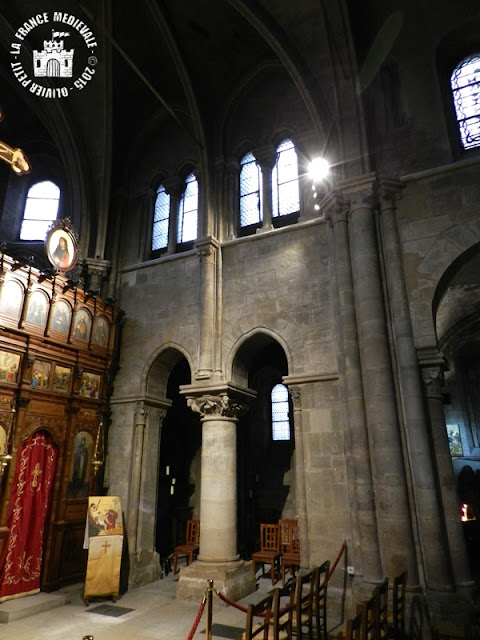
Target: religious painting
pixel 101 331
pixel 3 441
pixel 90 385
pixel 82 325
pixel 12 299
pixel 61 317
pixel 79 478
pixel 61 379
pixel 40 374
pixel 37 309
pixel 104 516
pixel 61 246
pixel 9 364
pixel 454 440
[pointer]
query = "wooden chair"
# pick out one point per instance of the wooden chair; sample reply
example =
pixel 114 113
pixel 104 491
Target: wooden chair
pixel 291 556
pixel 382 609
pixel 397 618
pixel 286 526
pixel 258 628
pixel 301 601
pixel 354 627
pixel 191 546
pixel 369 613
pixel 269 550
pixel 281 621
pixel 320 600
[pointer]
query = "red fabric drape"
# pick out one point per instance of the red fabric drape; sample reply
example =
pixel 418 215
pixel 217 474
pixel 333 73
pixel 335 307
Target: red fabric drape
pixel 21 560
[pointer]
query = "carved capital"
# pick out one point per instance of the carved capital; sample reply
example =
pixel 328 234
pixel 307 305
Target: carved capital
pixel 389 191
pixel 433 380
pixel 206 248
pixel 141 413
pixel 296 396
pixel 221 406
pixel 335 207
pixel 174 186
pixel 265 156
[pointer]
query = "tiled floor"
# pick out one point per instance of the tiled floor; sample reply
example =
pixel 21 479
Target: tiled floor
pixel 152 612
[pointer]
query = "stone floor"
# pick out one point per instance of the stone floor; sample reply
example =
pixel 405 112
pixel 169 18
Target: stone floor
pixel 151 612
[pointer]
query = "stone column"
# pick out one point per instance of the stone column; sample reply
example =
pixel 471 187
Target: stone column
pixel 397 544
pixel 135 482
pixel 367 553
pixel 431 525
pixel 218 559
pixel 301 492
pixel 433 365
pixel 266 156
pixel 207 249
pixel 174 186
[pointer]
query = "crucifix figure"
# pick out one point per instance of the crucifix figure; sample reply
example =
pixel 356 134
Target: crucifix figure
pixel 14 157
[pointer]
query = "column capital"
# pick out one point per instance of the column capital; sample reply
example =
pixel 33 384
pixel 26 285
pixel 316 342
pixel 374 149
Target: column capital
pixel 222 401
pixel 206 246
pixel 359 191
pixel 335 207
pixel 141 413
pixel 296 396
pixel 389 191
pixel 265 155
pixel 174 186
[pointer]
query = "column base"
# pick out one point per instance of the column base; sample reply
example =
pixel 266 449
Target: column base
pixel 234 580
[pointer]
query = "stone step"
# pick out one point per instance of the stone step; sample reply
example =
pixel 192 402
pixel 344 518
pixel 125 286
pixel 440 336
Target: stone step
pixel 27 606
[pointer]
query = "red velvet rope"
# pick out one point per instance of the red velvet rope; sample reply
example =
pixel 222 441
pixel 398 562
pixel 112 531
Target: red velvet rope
pixel 197 620
pixel 337 560
pixel 231 602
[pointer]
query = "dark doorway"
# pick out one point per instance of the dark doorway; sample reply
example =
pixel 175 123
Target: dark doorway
pixel 179 465
pixel 263 487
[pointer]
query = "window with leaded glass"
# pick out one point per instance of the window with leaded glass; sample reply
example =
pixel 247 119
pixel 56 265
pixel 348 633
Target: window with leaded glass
pixel 285 189
pixel 465 84
pixel 280 420
pixel 40 211
pixel 250 191
pixel 188 211
pixel 161 217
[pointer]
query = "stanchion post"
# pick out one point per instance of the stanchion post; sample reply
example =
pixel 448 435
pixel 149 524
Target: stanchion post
pixel 208 630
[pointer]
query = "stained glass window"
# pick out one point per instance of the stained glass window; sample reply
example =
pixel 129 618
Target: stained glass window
pixel 160 220
pixel 285 190
pixel 41 210
pixel 465 83
pixel 250 191
pixel 188 211
pixel 280 421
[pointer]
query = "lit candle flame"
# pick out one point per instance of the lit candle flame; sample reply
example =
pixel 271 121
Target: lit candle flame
pixel 464 512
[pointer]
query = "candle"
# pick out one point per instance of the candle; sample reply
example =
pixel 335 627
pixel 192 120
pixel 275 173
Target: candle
pixel 173 481
pixel 167 470
pixel 172 489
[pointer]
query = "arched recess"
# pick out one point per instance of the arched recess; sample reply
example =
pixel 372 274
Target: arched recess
pixel 266 485
pixel 178 484
pixel 457 323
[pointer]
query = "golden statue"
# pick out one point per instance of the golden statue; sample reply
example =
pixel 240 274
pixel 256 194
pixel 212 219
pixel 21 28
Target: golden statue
pixel 14 157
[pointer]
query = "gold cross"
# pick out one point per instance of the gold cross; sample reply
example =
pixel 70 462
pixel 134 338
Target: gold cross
pixel 105 546
pixel 14 157
pixel 36 473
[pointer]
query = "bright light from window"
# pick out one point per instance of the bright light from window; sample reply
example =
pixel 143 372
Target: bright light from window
pixel 41 210
pixel 280 421
pixel 319 169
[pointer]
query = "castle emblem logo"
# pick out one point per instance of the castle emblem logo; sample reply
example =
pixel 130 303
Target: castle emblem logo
pixel 53 55
pixel 54 61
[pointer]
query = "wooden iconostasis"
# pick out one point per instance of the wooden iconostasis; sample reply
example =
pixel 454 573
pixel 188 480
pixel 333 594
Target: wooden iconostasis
pixel 58 356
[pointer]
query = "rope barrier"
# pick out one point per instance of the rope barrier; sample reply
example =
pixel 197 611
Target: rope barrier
pixel 232 603
pixel 197 619
pixel 337 560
